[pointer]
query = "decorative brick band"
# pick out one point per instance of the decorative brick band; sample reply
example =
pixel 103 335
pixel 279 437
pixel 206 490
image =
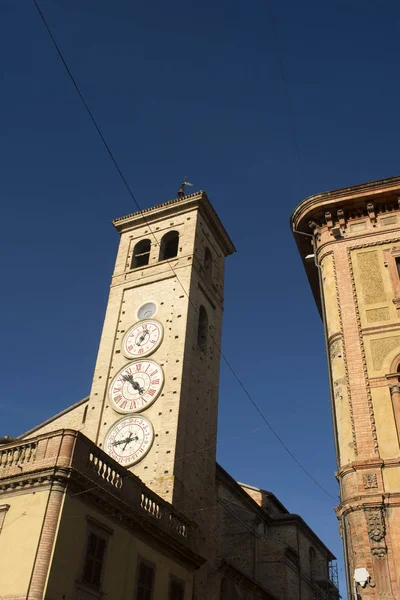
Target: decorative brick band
pixel 364 360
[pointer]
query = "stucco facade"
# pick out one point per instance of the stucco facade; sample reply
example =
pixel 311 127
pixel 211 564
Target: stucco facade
pixel 349 242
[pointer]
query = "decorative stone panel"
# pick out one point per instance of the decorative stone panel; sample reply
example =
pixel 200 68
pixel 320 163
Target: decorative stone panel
pixel 371 278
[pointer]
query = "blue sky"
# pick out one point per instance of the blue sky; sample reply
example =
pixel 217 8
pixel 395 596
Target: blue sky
pixel 260 104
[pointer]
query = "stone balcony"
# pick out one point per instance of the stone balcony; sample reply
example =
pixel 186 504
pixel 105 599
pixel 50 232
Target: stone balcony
pixel 68 458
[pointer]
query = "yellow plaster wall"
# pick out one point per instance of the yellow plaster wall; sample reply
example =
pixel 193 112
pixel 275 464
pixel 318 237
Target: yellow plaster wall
pixel 385 424
pixel 338 368
pixel 331 303
pixel 342 405
pixel 123 551
pixel 19 539
pixel 391 479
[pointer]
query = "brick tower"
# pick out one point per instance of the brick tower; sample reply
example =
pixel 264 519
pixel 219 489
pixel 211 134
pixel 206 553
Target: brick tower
pixel 154 398
pixel 349 241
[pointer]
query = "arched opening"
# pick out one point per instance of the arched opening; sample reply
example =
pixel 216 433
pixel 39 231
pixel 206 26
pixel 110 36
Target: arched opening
pixel 141 254
pixel 202 330
pixel 313 563
pixel 169 245
pixel 208 263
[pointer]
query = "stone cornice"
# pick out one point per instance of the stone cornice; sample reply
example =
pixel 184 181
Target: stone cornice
pixel 178 206
pixel 364 192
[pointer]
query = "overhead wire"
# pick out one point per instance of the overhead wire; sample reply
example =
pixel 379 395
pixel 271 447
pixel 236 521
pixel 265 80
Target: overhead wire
pixel 114 161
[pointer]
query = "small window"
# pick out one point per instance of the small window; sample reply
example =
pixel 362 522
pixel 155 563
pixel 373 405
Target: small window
pixel 169 245
pixel 176 589
pixel 94 560
pixel 208 263
pixel 145 581
pixel 141 254
pixel 398 265
pixel 202 331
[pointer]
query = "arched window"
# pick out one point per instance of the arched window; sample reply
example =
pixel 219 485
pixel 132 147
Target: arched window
pixel 202 331
pixel 141 254
pixel 208 263
pixel 169 245
pixel 313 563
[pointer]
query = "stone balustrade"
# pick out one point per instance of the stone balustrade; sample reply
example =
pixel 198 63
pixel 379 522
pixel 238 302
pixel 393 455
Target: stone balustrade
pixel 68 454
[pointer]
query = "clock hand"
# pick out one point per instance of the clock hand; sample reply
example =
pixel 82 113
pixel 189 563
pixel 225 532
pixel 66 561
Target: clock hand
pixel 139 342
pixel 134 384
pixel 125 441
pixel 118 443
pixel 128 439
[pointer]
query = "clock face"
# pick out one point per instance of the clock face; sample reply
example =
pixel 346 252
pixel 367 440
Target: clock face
pixel 142 339
pixel 136 386
pixel 129 439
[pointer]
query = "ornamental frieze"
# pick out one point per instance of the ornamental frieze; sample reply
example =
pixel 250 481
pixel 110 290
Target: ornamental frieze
pixel 375 524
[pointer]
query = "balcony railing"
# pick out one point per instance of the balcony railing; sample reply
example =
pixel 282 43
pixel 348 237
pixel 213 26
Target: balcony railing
pixel 68 451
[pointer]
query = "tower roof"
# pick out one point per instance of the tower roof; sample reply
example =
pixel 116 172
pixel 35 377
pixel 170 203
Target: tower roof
pixel 170 208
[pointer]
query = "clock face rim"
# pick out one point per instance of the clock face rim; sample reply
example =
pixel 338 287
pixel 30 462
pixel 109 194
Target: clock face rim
pixel 125 411
pixel 115 424
pixel 149 352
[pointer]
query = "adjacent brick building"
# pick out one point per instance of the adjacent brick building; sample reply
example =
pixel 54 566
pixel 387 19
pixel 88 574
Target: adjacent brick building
pixel 349 241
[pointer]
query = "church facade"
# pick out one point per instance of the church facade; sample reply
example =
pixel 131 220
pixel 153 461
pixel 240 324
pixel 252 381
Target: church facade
pixel 349 240
pixel 120 495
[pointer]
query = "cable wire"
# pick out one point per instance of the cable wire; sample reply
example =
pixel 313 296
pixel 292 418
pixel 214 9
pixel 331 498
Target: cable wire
pixel 109 151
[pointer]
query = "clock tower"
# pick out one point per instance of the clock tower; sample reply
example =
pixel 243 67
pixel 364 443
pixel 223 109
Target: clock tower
pixel 154 397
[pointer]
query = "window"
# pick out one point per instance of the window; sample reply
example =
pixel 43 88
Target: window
pixel 145 580
pixel 208 263
pixel 169 245
pixel 3 511
pixel 176 589
pixel 141 254
pixel 398 265
pixel 94 560
pixel 202 331
pixel 392 263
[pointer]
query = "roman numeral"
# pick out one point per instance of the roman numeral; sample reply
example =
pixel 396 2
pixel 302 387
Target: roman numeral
pixel 155 382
